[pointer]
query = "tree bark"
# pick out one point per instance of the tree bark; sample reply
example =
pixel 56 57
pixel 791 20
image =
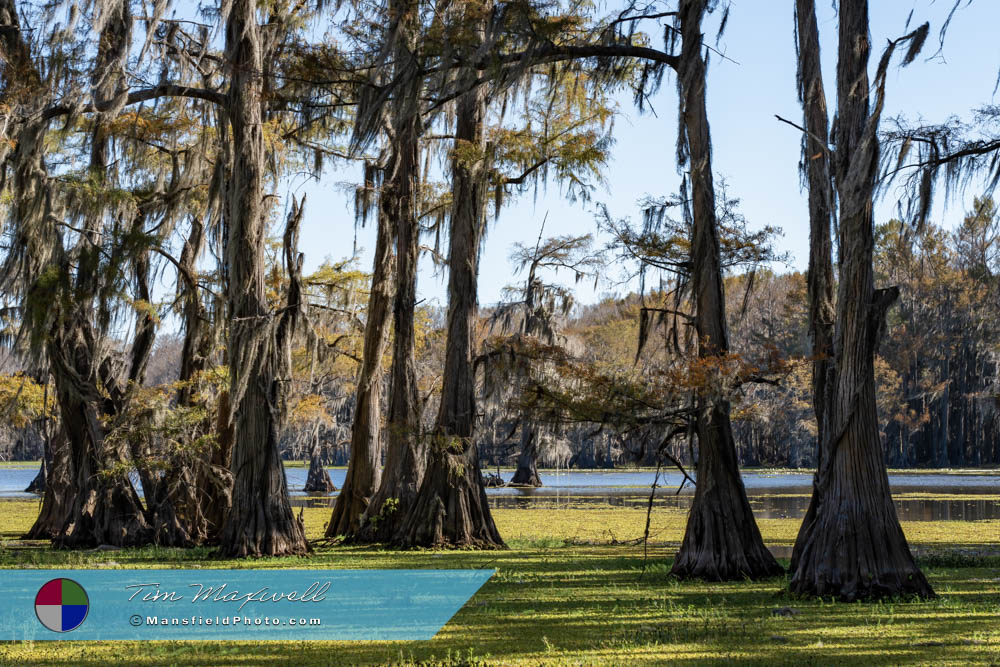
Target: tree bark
pixel 405 458
pixel 527 472
pixel 451 508
pixel 853 547
pixel 816 168
pixel 366 432
pixel 197 345
pixel 722 541
pixel 260 521
pixel 216 481
pixel 105 508
pixel 318 480
pixel 59 490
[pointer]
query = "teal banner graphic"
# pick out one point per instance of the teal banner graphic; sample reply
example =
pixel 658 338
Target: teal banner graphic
pixel 340 605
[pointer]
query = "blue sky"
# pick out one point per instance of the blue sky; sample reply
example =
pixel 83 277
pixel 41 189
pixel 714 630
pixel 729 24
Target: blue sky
pixel 757 155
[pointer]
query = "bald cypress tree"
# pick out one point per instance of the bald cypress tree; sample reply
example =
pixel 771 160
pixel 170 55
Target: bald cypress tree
pixel 721 541
pixel 851 545
pixel 378 500
pixel 260 521
pixel 451 506
pixel 816 169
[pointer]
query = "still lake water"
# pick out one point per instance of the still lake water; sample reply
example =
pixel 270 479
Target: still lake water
pixel 772 494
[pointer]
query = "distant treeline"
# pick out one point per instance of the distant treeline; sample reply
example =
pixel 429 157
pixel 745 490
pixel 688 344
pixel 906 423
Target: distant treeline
pixel 936 370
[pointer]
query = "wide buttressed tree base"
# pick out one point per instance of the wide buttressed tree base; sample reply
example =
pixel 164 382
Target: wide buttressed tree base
pixel 105 508
pixel 527 468
pixel 854 548
pixel 451 509
pixel 721 541
pixel 261 522
pixel 851 546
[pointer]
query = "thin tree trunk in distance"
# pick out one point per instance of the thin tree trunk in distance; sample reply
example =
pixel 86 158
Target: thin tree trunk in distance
pixel 527 470
pixel 853 546
pixel 318 480
pixel 37 485
pixel 526 473
pixel 722 541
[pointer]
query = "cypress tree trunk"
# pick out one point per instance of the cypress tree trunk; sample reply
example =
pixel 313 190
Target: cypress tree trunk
pixel 527 472
pixel 816 166
pixel 37 485
pixel 853 547
pixel 216 479
pixel 722 541
pixel 59 490
pixel 200 486
pixel 451 508
pixel 405 458
pixel 197 345
pixel 260 521
pixel 318 480
pixel 105 508
pixel 168 527
pixel 366 431
pixel 44 307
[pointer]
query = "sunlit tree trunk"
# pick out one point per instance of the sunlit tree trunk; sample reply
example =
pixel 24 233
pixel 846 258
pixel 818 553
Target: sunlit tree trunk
pixel 451 507
pixel 362 477
pixel 852 547
pixel 405 457
pixel 260 521
pixel 722 541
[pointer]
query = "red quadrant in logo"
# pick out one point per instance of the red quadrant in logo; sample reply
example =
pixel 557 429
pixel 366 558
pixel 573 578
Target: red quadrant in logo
pixel 50 593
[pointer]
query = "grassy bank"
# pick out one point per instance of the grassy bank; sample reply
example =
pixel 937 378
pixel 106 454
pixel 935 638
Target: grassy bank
pixel 19 464
pixel 573 590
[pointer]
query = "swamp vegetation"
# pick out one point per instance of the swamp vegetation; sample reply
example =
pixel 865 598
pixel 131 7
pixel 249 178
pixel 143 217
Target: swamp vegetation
pixel 145 163
pixel 576 586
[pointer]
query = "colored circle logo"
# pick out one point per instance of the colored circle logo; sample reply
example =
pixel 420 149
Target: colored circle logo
pixel 61 605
